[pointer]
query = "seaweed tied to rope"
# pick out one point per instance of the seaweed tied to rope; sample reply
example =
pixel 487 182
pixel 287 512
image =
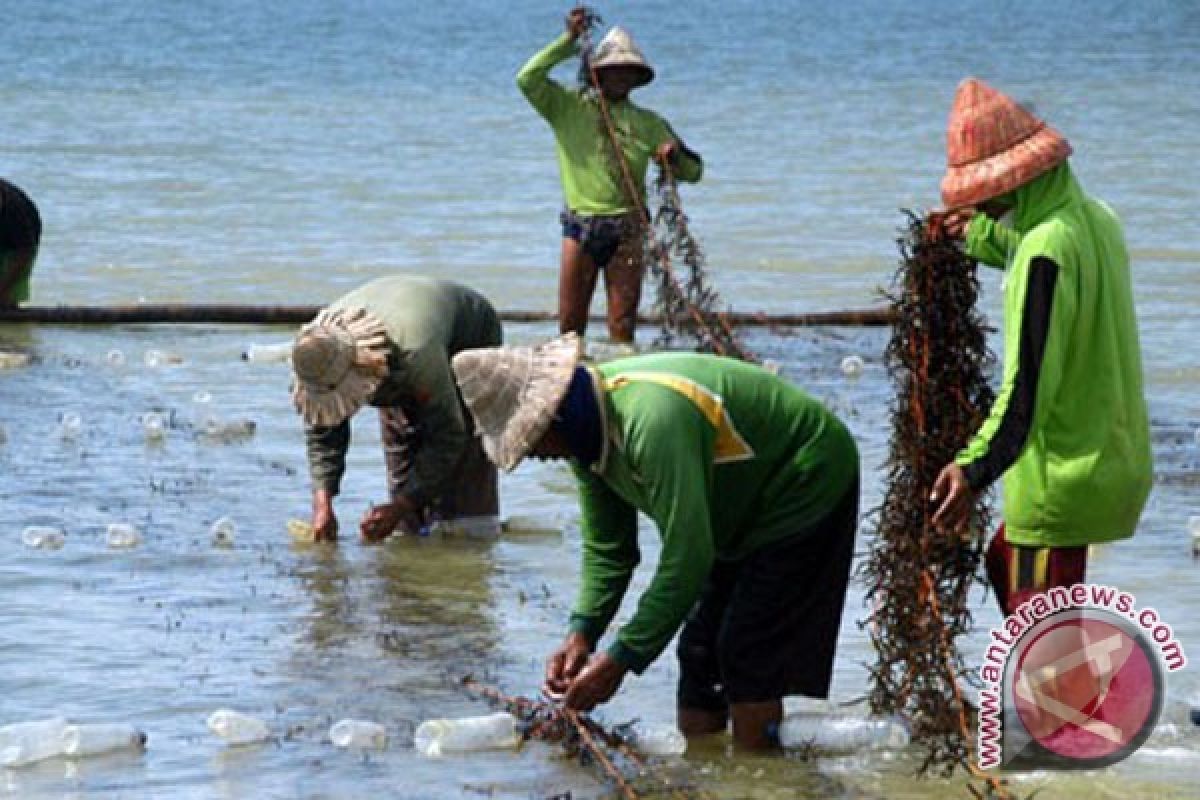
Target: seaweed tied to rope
pixel 585 739
pixel 918 578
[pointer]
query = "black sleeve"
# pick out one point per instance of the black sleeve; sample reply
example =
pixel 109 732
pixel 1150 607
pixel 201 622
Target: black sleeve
pixel 1010 436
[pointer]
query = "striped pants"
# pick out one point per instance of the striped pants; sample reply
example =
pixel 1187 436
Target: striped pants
pixel 1017 572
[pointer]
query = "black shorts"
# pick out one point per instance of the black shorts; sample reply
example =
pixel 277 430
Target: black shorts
pixel 766 626
pixel 599 236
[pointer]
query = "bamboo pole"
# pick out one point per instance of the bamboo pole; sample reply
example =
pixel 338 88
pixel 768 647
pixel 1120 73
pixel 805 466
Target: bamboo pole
pixel 188 313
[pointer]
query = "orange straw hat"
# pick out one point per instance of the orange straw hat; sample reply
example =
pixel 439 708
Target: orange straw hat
pixel 993 146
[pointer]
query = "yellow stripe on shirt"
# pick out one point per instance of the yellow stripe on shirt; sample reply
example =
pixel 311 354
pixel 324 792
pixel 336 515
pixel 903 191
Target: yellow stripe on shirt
pixel 730 445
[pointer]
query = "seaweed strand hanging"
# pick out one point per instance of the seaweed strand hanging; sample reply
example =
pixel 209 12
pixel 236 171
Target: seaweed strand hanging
pixel 917 576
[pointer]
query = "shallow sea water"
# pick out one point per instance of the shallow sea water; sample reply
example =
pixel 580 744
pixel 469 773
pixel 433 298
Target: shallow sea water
pixel 283 152
pixel 304 635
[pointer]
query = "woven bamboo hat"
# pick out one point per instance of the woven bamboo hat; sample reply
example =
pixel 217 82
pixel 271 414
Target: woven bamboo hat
pixel 338 361
pixel 514 392
pixel 994 145
pixel 617 49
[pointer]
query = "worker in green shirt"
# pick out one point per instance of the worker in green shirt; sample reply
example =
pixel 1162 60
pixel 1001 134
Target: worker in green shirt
pixel 20 234
pixel 753 486
pixel 388 344
pixel 602 225
pixel 1069 431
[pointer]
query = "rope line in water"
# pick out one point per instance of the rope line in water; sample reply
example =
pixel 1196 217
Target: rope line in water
pixel 225 314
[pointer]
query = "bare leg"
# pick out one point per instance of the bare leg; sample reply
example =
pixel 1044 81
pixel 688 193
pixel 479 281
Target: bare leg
pixel 623 288
pixel 697 721
pixel 753 722
pixel 576 283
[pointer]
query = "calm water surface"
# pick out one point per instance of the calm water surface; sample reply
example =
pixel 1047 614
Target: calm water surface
pixel 217 151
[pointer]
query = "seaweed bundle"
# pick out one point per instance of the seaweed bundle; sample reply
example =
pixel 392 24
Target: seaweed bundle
pixel 919 578
pixel 583 738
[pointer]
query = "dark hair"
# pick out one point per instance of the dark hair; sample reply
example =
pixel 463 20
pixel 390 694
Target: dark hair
pixel 579 420
pixel 20 223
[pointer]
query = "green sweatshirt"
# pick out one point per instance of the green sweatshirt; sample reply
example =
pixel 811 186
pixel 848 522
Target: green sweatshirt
pixel 990 242
pixel 1085 469
pixel 428 321
pixel 723 456
pixel 592 181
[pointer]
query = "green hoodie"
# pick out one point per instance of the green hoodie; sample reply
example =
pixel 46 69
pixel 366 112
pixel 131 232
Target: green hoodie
pixel 1085 470
pixel 723 456
pixel 991 243
pixel 592 183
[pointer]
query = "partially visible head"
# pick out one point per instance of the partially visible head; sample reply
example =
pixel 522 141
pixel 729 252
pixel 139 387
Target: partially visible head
pixel 994 146
pixel 619 64
pixel 513 393
pixel 338 361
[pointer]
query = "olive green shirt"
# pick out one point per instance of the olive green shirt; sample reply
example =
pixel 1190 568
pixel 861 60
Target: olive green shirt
pixel 428 321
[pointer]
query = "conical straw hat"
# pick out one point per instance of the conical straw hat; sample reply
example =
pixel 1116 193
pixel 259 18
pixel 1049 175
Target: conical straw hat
pixel 514 392
pixel 338 361
pixel 617 49
pixel 993 146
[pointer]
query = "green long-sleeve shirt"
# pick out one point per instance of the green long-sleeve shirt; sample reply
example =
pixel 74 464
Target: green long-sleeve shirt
pixel 591 179
pixel 991 243
pixel 723 456
pixel 428 321
pixel 1084 470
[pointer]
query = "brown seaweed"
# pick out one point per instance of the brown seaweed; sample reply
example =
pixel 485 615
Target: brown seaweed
pixel 918 578
pixel 593 745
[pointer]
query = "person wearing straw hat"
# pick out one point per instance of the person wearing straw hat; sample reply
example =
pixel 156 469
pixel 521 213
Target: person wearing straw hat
pixel 1068 431
pixel 753 486
pixel 388 344
pixel 20 234
pixel 602 224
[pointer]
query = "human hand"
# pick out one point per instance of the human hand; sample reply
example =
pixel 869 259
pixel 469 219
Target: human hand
pixel 565 664
pixel 667 152
pixel 324 521
pixel 380 521
pixel 577 21
pixel 954 499
pixel 598 681
pixel 949 223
